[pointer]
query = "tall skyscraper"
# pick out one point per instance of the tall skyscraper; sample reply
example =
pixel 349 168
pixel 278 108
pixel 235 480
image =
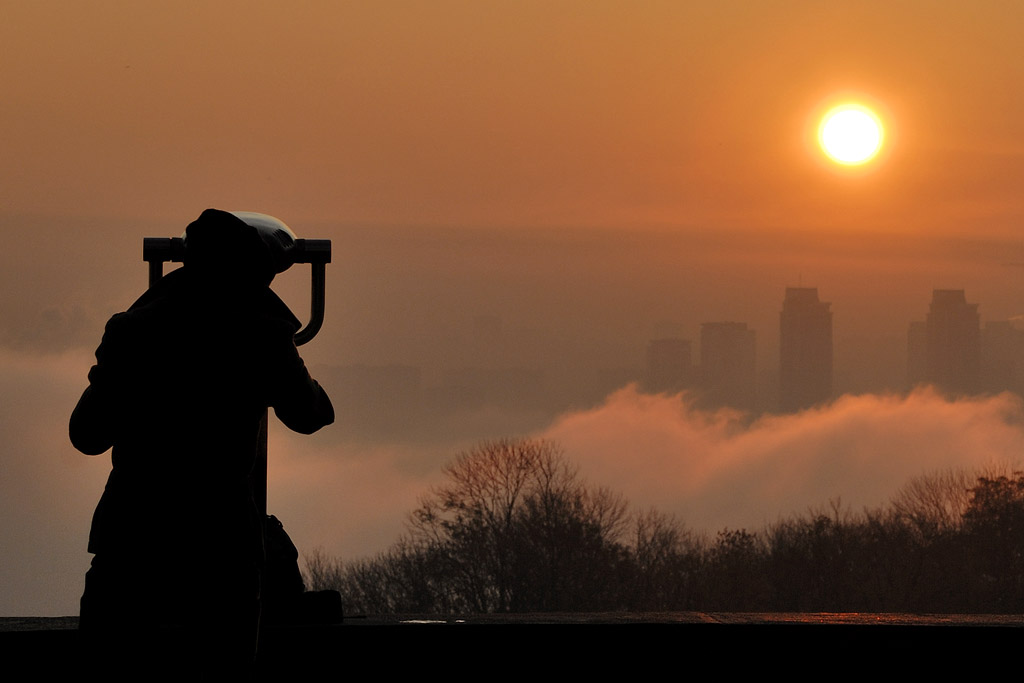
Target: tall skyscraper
pixel 805 350
pixel 727 365
pixel 952 344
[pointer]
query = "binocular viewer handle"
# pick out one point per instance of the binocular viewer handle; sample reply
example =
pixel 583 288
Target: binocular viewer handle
pixel 317 296
pixel 317 253
pixel 156 250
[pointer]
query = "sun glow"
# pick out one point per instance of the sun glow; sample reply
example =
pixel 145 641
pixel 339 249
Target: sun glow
pixel 850 134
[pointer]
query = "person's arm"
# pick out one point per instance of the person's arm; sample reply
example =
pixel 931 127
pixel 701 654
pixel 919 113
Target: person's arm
pixel 298 400
pixel 305 407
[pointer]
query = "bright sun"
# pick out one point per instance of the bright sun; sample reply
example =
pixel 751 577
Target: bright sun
pixel 850 134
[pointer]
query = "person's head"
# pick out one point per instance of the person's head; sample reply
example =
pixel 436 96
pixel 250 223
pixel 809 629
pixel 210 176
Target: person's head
pixel 223 249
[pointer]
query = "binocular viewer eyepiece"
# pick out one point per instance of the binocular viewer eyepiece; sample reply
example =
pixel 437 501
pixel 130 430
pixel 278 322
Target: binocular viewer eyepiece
pixel 158 250
pixel 285 249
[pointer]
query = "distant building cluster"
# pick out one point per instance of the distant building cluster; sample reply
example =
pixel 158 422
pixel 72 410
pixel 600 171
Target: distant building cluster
pixel 726 376
pixel 949 349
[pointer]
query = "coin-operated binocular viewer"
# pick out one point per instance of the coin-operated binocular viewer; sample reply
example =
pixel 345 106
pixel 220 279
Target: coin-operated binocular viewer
pixel 286 249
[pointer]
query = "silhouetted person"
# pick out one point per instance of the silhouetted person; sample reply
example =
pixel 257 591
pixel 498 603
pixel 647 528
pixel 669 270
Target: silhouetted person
pixel 180 384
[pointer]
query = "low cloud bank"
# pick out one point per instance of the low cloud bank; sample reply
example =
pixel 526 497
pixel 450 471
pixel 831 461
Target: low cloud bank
pixel 718 470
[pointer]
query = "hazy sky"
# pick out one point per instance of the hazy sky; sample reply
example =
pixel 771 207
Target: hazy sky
pixel 589 172
pixel 510 113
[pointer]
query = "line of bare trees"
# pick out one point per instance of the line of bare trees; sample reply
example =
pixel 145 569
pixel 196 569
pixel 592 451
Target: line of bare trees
pixel 515 529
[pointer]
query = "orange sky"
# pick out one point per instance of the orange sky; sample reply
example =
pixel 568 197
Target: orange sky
pixel 515 113
pixel 586 171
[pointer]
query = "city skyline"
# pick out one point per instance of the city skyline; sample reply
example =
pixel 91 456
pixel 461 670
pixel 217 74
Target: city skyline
pixel 678 364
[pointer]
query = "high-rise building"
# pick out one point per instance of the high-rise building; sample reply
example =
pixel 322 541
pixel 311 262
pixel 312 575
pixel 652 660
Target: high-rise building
pixel 805 349
pixel 669 365
pixel 727 365
pixel 952 344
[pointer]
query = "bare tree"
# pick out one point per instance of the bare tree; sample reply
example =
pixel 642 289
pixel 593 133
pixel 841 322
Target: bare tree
pixel 515 528
pixel 667 559
pixel 935 503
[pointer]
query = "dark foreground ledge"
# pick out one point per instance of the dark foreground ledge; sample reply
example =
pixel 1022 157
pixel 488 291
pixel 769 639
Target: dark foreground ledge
pixel 54 627
pixel 416 643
